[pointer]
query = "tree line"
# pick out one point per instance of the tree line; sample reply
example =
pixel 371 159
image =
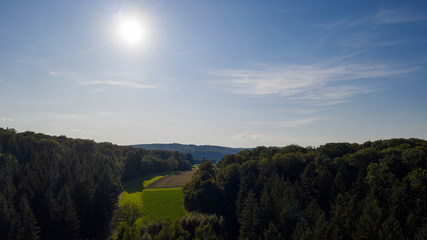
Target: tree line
pixel 338 191
pixel 374 190
pixel 63 188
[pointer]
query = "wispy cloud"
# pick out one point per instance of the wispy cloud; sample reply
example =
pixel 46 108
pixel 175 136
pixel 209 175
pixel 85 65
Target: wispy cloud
pixel 370 40
pixel 250 136
pixel 371 31
pixel 98 90
pixel 291 123
pixel 383 16
pixel 6 119
pixel 55 73
pixel 344 23
pixel 129 84
pixel 324 84
pixel 299 122
pixel 120 74
pixel 391 16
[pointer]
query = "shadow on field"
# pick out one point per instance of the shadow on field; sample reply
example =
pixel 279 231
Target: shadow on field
pixel 135 186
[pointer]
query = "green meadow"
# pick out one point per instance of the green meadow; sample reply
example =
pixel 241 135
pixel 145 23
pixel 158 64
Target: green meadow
pixel 158 203
pixel 131 197
pixel 162 203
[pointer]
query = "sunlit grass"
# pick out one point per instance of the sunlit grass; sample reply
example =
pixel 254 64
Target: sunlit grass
pixel 148 182
pixel 138 184
pixel 162 203
pixel 157 203
pixel 131 197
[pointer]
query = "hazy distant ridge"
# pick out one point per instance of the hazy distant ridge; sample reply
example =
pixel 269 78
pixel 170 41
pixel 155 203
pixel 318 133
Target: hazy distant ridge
pixel 199 152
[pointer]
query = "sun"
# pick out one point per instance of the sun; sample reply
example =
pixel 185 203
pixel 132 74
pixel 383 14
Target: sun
pixel 131 31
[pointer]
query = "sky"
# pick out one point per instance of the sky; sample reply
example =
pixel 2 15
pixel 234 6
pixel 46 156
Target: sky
pixel 229 73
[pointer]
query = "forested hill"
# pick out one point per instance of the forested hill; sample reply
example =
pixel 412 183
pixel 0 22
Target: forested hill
pixel 201 152
pixel 339 191
pixel 63 188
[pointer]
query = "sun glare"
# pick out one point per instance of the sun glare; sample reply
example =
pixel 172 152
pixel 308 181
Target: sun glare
pixel 131 31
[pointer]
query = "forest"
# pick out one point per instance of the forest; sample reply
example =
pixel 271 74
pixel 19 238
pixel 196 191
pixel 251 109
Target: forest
pixel 62 188
pixel 374 190
pixel 338 191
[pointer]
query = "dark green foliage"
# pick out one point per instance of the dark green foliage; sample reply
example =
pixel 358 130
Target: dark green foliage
pixel 172 231
pixel 376 190
pixel 62 188
pixel 126 215
pixel 249 218
pixel 422 233
pixel 202 193
pixel 204 232
pixel 152 229
pixel 194 220
pixel 272 232
pixel 192 226
pixel 391 230
pixel 369 222
pixel 24 224
pixel 141 162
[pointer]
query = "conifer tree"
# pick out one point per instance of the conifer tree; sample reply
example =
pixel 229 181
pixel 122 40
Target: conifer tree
pixel 391 230
pixel 369 222
pixel 24 224
pixel 272 232
pixel 205 232
pixel 248 218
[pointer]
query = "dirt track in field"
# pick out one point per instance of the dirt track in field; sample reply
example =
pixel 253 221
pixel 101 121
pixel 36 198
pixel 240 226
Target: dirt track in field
pixel 176 180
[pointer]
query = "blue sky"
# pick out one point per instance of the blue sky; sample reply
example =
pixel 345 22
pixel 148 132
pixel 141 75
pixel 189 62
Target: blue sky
pixel 230 73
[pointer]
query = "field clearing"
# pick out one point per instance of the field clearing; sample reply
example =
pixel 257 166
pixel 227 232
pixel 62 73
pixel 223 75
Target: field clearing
pixel 172 181
pixel 162 203
pixel 140 183
pixel 161 197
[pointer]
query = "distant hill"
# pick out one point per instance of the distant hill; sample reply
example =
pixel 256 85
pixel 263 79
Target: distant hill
pixel 207 152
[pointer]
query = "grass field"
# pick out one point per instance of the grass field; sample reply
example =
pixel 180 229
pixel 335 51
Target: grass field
pixel 162 203
pixel 161 197
pixel 131 197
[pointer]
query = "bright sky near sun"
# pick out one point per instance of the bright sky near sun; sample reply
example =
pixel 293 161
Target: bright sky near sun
pixel 230 73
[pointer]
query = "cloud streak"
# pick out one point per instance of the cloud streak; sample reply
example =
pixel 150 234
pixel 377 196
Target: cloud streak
pixel 373 31
pixel 245 136
pixel 392 16
pixel 6 119
pixel 128 84
pixel 291 123
pixel 326 84
pixel 382 17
